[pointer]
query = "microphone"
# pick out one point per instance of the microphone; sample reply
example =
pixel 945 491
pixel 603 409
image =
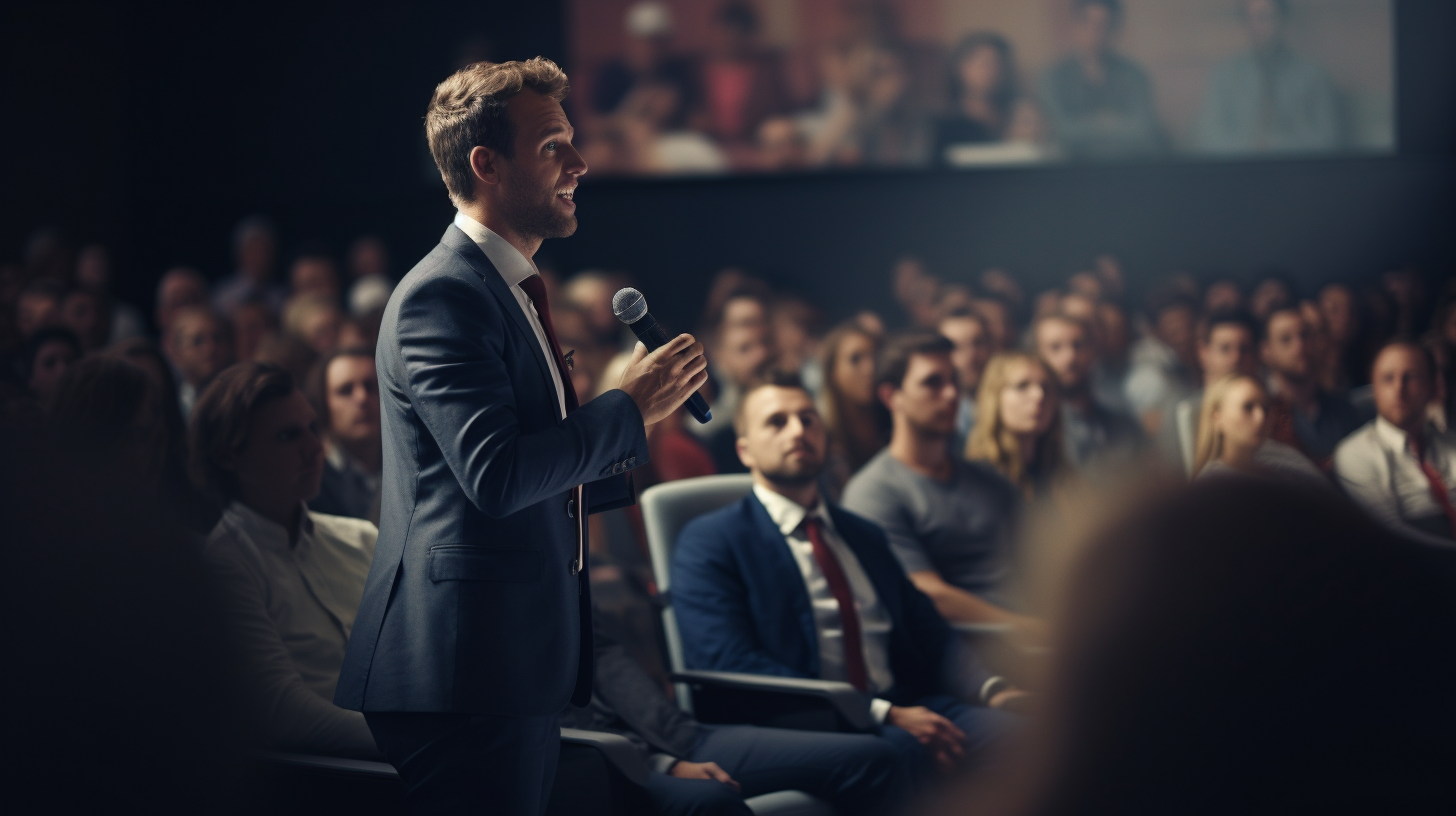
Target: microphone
pixel 631 308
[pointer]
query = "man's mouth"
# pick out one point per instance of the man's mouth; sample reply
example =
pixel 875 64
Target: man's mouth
pixel 566 194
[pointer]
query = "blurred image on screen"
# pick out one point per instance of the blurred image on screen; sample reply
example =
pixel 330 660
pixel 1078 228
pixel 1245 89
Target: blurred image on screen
pixel 721 86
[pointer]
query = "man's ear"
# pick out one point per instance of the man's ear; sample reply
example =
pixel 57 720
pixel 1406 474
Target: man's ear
pixel 743 455
pixel 483 164
pixel 886 393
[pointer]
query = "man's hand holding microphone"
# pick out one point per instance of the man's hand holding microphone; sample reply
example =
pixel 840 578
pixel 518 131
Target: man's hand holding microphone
pixel 664 373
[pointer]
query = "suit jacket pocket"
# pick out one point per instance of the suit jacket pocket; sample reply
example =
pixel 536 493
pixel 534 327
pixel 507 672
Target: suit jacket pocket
pixel 470 562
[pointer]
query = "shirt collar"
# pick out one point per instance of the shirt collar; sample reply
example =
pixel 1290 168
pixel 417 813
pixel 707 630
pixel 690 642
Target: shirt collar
pixel 1394 437
pixel 507 260
pixel 266 532
pixel 788 514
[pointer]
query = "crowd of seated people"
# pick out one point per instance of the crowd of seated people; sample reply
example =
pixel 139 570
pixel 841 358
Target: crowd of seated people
pixel 872 96
pixel 892 470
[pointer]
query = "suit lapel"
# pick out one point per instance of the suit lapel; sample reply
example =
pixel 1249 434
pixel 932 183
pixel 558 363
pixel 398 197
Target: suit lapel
pixel 783 574
pixel 456 239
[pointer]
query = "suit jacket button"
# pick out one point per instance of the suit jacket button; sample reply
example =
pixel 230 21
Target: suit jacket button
pixel 571 508
pixel 575 566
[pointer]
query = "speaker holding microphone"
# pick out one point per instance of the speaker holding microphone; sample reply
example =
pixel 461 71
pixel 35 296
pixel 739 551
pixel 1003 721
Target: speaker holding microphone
pixel 631 308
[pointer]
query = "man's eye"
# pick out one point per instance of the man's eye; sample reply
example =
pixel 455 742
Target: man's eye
pixel 551 146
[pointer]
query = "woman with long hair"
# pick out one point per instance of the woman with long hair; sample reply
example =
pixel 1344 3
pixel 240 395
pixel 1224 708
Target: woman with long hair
pixel 1232 425
pixel 1018 425
pixel 854 418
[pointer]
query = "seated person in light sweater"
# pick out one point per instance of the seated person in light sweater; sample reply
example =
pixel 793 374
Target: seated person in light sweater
pixel 292 579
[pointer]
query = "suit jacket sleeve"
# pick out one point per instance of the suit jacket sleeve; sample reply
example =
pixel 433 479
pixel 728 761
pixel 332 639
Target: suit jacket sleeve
pixel 711 601
pixel 454 368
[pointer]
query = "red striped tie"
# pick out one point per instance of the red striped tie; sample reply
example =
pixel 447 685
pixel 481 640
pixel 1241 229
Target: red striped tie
pixel 854 662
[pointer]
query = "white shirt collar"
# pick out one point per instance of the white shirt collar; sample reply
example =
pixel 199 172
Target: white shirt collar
pixel 786 513
pixel 1393 436
pixel 508 261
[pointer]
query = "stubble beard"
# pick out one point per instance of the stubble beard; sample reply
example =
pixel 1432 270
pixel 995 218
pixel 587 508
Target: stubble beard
pixel 531 216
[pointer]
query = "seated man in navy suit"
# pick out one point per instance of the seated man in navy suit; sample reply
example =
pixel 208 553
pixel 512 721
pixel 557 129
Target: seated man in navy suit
pixel 782 583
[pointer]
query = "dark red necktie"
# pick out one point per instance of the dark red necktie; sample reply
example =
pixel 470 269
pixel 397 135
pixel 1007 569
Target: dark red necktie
pixel 854 662
pixel 1438 485
pixel 535 287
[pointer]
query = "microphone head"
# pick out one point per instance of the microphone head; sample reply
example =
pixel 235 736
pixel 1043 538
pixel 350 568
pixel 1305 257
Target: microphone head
pixel 628 305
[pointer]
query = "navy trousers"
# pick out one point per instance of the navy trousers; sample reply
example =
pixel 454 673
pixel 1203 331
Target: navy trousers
pixel 856 773
pixel 983 726
pixel 468 763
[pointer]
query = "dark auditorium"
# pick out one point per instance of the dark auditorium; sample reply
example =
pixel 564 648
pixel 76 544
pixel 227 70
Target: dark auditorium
pixel 729 407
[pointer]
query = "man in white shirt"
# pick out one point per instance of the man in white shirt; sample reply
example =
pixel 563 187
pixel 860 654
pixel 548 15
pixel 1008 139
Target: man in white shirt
pixel 783 583
pixel 1399 466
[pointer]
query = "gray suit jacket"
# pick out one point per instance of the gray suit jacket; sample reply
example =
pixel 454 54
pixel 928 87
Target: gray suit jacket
pixel 471 605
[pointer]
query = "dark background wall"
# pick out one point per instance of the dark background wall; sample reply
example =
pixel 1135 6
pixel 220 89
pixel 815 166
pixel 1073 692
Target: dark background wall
pixel 153 127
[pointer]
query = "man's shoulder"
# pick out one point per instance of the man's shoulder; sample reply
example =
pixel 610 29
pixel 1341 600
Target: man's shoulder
pixel 1360 442
pixel 880 473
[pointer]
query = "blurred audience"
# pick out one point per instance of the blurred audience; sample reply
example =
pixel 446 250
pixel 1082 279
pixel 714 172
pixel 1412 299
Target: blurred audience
pixel 854 418
pixel 49 354
pixel 255 251
pixel 314 274
pixel 1398 466
pixel 370 283
pixel 1164 361
pixel 1096 437
pixel 178 288
pixel 949 522
pixel 94 274
pixel 1303 414
pixel 740 351
pixel 291 578
pixel 344 392
pixel 315 318
pixel 1099 103
pixel 1233 435
pixel 199 345
pixel 1269 99
pixel 1018 429
pixel 971 336
pixel 1225 347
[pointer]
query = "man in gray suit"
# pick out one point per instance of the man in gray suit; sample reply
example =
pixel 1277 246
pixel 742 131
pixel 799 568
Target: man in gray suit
pixel 475 626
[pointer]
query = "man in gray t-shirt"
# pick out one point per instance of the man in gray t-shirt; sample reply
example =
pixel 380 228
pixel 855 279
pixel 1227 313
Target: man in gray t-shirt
pixel 949 521
pixel 960 528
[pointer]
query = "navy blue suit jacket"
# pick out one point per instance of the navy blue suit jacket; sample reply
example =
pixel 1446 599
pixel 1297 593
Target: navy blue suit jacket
pixel 470 605
pixel 742 605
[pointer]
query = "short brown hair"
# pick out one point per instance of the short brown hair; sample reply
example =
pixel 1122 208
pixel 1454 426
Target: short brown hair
pixel 894 359
pixel 773 379
pixel 469 109
pixel 222 418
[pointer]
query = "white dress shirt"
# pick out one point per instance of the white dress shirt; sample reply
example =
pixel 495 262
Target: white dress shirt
pixel 1377 465
pixel 514 268
pixel 874 621
pixel 294 605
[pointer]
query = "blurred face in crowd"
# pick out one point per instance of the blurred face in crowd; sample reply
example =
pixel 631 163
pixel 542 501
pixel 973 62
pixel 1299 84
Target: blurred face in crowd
pixel 742 352
pixel 314 275
pixel 1269 296
pixel 1286 350
pixel 51 363
pixel 1063 344
pixel 1028 402
pixel 368 257
pixel 1086 284
pixel 981 71
pixel 93 268
pixel 972 349
pixel 1403 385
pixel 251 323
pixel 927 400
pixel 200 346
pixel 1337 304
pixel 1240 415
pixel 1114 331
pixel 178 288
pixel 35 311
pixel 998 320
pixel 1175 326
pixel 83 313
pixel 256 250
pixel 1265 22
pixel 537 184
pixel 320 329
pixel 1093 29
pixel 1223 296
pixel 744 312
pixel 1229 350
pixel 353 397
pixel 282 461
pixel 782 438
pixel 593 296
pixel 854 368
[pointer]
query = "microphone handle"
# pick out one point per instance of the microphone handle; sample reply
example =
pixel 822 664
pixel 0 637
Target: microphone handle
pixel 654 338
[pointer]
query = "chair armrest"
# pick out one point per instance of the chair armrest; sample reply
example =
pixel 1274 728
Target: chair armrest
pixel 329 765
pixel 618 750
pixel 784 702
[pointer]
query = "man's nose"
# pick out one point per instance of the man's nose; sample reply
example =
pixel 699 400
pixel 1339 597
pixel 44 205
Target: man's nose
pixel 575 164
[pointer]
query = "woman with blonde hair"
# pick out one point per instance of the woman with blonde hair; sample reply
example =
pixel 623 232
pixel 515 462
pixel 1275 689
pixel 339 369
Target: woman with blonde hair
pixel 1018 427
pixel 855 420
pixel 1232 426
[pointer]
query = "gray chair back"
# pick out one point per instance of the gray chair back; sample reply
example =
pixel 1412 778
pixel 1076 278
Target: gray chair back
pixel 666 509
